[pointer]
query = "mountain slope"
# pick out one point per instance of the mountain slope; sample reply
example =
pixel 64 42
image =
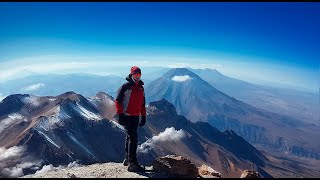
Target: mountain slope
pixel 225 151
pixel 53 131
pixel 293 103
pixel 69 127
pixel 197 100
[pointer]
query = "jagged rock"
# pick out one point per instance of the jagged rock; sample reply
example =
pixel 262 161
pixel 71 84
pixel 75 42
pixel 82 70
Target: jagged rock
pixel 71 175
pixel 250 174
pixel 176 166
pixel 207 172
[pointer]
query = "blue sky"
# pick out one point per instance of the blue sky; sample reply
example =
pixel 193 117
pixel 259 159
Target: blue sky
pixel 257 42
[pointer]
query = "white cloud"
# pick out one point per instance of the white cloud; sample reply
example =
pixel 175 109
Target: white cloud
pixel 12 172
pixel 12 161
pixel 39 64
pixel 73 164
pixel 45 168
pixel 11 152
pixel 12 118
pixel 181 78
pixel 17 170
pixel 169 134
pixel 236 67
pixel 33 87
pixel 50 167
pixel 18 68
pixel 32 100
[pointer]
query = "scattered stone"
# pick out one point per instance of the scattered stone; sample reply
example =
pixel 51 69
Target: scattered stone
pixel 71 175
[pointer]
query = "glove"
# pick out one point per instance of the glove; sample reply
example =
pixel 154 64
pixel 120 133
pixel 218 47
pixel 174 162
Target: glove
pixel 121 119
pixel 143 121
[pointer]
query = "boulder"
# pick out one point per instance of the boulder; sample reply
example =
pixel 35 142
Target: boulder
pixel 250 174
pixel 207 172
pixel 176 166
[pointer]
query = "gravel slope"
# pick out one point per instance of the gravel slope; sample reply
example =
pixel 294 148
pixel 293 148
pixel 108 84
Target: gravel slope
pixel 104 170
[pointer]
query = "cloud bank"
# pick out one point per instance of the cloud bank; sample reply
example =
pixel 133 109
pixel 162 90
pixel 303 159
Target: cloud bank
pixel 50 167
pixel 33 87
pixel 169 134
pixel 12 161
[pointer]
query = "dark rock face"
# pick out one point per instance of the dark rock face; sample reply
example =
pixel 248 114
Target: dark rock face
pixel 12 104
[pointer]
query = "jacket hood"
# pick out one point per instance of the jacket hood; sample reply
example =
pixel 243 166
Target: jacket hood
pixel 129 79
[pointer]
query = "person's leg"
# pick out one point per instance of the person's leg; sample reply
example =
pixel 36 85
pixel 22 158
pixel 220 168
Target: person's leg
pixel 126 145
pixel 133 144
pixel 133 138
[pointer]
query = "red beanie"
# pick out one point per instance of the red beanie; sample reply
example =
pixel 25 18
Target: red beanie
pixel 135 70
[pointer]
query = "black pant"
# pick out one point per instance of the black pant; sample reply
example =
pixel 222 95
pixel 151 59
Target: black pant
pixel 131 143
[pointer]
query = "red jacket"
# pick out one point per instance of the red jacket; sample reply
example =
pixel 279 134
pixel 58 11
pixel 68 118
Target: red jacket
pixel 130 98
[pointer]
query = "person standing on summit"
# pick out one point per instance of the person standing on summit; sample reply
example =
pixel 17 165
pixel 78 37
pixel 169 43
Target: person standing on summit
pixel 130 107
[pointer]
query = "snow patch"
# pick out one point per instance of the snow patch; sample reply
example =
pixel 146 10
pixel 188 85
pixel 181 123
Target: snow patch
pixel 85 113
pixel 54 121
pixel 117 125
pixel 49 139
pixel 52 99
pixel 61 113
pixel 81 145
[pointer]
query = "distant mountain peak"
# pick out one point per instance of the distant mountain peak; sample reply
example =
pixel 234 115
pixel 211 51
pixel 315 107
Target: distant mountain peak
pixel 103 95
pixel 164 105
pixel 181 72
pixel 71 95
pixel 15 96
pixel 212 72
pixel 68 93
pixel 216 71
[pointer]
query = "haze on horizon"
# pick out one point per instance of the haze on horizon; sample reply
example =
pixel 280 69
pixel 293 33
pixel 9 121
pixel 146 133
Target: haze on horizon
pixel 263 43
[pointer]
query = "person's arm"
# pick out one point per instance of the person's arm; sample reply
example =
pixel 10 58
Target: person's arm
pixel 119 99
pixel 143 106
pixel 143 112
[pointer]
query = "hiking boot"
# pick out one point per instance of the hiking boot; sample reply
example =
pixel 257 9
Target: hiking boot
pixel 125 162
pixel 135 167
